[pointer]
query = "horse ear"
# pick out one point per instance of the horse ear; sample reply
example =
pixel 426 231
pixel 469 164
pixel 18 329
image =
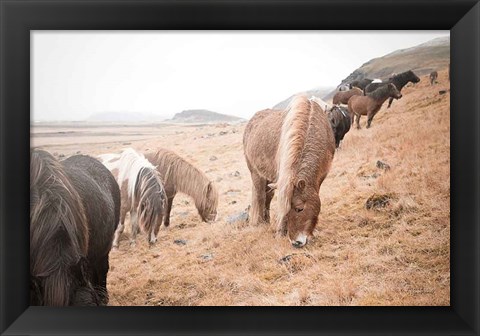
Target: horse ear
pixel 209 186
pixel 301 184
pixel 272 186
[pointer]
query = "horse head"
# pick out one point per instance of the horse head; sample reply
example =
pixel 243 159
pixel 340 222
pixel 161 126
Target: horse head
pixel 393 91
pixel 302 217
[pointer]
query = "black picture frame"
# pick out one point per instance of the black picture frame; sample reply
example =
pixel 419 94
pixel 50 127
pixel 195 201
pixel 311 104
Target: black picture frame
pixel 19 17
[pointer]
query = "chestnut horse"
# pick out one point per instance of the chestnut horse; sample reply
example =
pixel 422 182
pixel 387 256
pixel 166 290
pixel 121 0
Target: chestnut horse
pixel 74 210
pixel 370 104
pixel 142 193
pixel 180 176
pixel 342 97
pixel 433 77
pixel 291 151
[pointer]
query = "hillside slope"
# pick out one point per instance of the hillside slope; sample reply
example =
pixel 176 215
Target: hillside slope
pixel 398 254
pixel 422 59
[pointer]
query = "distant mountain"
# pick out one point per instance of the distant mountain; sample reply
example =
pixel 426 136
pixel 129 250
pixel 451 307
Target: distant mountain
pixel 421 59
pixel 203 117
pixel 124 117
pixel 318 92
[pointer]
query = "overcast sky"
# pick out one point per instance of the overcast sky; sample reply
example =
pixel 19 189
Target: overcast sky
pixel 77 74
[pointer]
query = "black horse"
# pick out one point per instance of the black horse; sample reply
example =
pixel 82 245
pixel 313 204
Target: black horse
pixel 361 84
pixel 399 81
pixel 74 210
pixel 340 121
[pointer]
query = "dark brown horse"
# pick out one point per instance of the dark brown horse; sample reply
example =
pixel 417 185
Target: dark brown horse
pixel 340 122
pixel 342 97
pixel 370 104
pixel 399 81
pixel 74 210
pixel 290 151
pixel 181 176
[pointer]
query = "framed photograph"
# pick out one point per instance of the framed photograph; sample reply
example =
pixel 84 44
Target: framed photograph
pixel 239 167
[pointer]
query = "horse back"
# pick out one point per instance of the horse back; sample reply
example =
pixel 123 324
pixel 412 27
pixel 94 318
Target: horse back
pixel 100 196
pixel 260 142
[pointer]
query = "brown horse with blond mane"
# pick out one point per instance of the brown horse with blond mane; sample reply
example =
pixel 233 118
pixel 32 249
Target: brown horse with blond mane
pixel 290 151
pixel 180 176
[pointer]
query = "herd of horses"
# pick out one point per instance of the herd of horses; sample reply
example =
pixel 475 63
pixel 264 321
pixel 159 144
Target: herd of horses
pixel 78 206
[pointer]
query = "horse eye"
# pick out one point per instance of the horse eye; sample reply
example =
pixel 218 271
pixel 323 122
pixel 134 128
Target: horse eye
pixel 298 209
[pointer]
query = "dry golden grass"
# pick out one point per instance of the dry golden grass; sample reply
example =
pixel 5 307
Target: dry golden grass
pixel 395 255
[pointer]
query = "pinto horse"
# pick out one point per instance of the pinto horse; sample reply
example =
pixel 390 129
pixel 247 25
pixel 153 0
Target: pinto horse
pixel 74 210
pixel 142 193
pixel 181 176
pixel 370 104
pixel 399 81
pixel 290 151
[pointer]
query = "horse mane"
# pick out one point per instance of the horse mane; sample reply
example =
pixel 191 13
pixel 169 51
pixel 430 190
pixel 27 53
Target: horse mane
pixel 144 182
pixel 58 228
pixel 187 179
pixel 290 149
pixel 148 188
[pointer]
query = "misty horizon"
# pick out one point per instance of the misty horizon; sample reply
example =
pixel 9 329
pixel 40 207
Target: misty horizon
pixel 77 75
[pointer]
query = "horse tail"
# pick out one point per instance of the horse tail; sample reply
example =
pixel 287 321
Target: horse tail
pixel 291 145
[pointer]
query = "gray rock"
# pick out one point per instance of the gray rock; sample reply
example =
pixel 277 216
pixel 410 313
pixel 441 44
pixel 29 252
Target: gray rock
pixel 180 242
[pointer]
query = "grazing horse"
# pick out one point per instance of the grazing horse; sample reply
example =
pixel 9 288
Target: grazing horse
pixel 142 192
pixel 342 97
pixel 433 77
pixel 74 210
pixel 370 104
pixel 399 81
pixel 291 151
pixel 361 84
pixel 181 176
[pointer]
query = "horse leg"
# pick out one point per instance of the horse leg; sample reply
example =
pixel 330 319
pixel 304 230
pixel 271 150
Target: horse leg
pixel 390 101
pixel 369 119
pixel 166 220
pixel 120 228
pixel 154 234
pixel 134 226
pixel 268 199
pixel 259 185
pixel 357 120
pixel 101 279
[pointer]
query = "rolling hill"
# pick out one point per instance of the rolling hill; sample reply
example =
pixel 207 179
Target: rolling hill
pixel 202 117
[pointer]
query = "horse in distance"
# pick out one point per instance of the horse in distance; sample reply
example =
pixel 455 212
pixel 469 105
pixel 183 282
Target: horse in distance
pixel 361 83
pixel 370 104
pixel 433 77
pixel 74 210
pixel 342 97
pixel 181 176
pixel 399 81
pixel 142 194
pixel 289 151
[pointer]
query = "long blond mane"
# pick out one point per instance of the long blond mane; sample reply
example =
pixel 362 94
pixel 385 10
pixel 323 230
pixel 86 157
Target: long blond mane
pixel 185 178
pixel 290 149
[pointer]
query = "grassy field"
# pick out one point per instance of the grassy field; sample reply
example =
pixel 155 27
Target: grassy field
pixel 398 254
